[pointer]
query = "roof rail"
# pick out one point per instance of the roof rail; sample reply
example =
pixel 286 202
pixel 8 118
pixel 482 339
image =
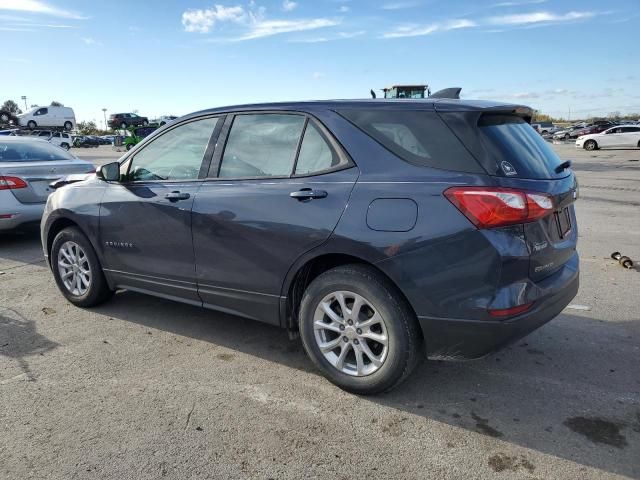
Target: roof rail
pixel 453 92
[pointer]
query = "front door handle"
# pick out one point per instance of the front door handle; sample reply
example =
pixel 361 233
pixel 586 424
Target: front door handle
pixel 175 196
pixel 308 194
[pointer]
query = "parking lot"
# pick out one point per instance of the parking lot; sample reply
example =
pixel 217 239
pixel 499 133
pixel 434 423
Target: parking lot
pixel 146 388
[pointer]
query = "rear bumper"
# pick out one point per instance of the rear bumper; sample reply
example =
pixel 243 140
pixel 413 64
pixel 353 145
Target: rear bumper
pixel 21 213
pixel 470 339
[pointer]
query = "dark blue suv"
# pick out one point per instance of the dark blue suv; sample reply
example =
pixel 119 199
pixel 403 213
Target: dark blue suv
pixel 381 230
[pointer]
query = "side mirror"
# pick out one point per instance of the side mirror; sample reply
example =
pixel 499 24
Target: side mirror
pixel 109 172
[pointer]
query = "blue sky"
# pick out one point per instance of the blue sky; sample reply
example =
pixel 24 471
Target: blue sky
pixel 161 57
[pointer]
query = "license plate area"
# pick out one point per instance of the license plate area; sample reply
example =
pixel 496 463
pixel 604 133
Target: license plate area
pixel 563 222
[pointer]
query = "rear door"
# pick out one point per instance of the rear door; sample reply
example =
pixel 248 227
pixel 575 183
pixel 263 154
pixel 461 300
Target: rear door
pixel 277 189
pixel 630 137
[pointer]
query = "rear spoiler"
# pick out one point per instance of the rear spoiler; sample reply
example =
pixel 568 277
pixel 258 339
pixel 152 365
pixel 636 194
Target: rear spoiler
pixel 452 92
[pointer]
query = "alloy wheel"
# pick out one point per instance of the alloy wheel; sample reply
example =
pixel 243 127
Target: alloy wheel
pixel 74 268
pixel 350 333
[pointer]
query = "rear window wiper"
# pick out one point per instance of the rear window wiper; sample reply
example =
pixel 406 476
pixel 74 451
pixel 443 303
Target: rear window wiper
pixel 563 166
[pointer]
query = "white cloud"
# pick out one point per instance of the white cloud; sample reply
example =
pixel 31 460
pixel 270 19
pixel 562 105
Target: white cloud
pixel 203 20
pixel 37 6
pixel 252 21
pixel 267 28
pixel 518 3
pixel 420 30
pixel 399 5
pixel 91 41
pixel 538 17
pixel 338 36
pixel 289 5
pixel 519 20
pixel 344 9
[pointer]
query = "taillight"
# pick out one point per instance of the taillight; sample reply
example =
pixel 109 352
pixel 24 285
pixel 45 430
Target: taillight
pixel 490 207
pixel 509 312
pixel 11 183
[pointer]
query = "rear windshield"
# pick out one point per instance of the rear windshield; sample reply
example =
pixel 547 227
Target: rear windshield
pixel 418 137
pixel 35 151
pixel 517 148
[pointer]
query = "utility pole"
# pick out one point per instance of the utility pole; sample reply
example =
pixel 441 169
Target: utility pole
pixel 569 113
pixel 104 112
pixel 24 97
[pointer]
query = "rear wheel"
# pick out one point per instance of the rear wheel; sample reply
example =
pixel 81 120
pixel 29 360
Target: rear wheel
pixel 145 123
pixel 567 136
pixel 65 146
pixel 76 269
pixel 68 125
pixel 129 146
pixel 358 330
pixel 123 125
pixel 590 145
pixel 32 125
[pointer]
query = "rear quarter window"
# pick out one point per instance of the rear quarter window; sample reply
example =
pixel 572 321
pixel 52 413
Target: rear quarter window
pixel 418 137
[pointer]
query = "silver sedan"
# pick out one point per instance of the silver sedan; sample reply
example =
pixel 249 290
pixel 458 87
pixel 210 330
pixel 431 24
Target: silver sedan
pixel 27 167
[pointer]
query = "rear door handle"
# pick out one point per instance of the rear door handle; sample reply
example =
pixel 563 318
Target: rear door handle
pixel 175 196
pixel 308 194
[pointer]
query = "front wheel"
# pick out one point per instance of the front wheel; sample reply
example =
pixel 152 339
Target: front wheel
pixel 65 146
pixel 4 117
pixel 32 125
pixel 590 145
pixel 358 330
pixel 76 269
pixel 123 125
pixel 68 126
pixel 145 123
pixel 129 146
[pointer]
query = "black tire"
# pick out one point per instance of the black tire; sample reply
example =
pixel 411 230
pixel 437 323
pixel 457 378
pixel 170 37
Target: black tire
pixel 163 123
pixel 567 136
pixel 404 337
pixel 68 126
pixel 98 290
pixel 590 145
pixel 4 117
pixel 65 146
pixel 129 146
pixel 145 123
pixel 123 125
pixel 32 125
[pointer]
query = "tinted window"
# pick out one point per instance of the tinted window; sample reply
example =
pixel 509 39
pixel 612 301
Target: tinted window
pixel 35 151
pixel 517 148
pixel 418 137
pixel 262 146
pixel 176 155
pixel 630 129
pixel 315 153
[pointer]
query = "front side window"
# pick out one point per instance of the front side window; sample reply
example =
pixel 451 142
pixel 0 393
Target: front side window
pixel 315 153
pixel 261 145
pixel 42 111
pixel 175 155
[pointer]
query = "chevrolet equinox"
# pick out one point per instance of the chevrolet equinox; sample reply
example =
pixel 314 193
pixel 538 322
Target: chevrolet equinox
pixel 382 230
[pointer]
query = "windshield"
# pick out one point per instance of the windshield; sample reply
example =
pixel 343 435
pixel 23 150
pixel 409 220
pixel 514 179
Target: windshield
pixel 517 148
pixel 35 151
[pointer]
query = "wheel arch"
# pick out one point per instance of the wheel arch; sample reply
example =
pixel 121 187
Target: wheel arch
pixel 309 269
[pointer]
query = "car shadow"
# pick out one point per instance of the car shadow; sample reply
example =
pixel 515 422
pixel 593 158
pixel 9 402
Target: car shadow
pixel 570 389
pixel 19 339
pixel 21 246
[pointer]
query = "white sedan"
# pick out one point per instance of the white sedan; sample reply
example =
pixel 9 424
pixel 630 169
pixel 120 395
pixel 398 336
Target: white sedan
pixel 621 136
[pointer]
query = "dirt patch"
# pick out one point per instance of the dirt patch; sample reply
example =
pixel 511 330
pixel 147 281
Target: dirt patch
pixel 482 426
pixel 598 430
pixel 501 462
pixel 227 357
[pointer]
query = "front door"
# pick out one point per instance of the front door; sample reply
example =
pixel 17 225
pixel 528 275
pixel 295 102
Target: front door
pixel 145 219
pixel 266 206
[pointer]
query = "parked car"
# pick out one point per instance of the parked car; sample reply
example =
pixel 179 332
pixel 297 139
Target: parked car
pixel 369 226
pixel 545 128
pixel 6 117
pixel 27 166
pixel 163 120
pixel 48 117
pixel 615 137
pixel 11 132
pixel 590 129
pixel 86 141
pixel 126 120
pixel 566 133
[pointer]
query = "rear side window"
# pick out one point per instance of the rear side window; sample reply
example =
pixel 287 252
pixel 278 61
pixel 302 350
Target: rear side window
pixel 517 148
pixel 418 137
pixel 261 145
pixel 36 151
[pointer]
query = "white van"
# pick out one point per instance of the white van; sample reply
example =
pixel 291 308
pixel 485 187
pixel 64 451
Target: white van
pixel 48 117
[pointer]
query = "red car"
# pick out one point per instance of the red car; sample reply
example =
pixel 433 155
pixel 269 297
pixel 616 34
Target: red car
pixel 597 127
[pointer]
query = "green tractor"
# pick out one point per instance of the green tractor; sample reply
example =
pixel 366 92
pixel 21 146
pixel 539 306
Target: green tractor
pixel 131 136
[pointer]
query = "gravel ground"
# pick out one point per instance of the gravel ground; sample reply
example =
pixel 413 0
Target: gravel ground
pixel 142 388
